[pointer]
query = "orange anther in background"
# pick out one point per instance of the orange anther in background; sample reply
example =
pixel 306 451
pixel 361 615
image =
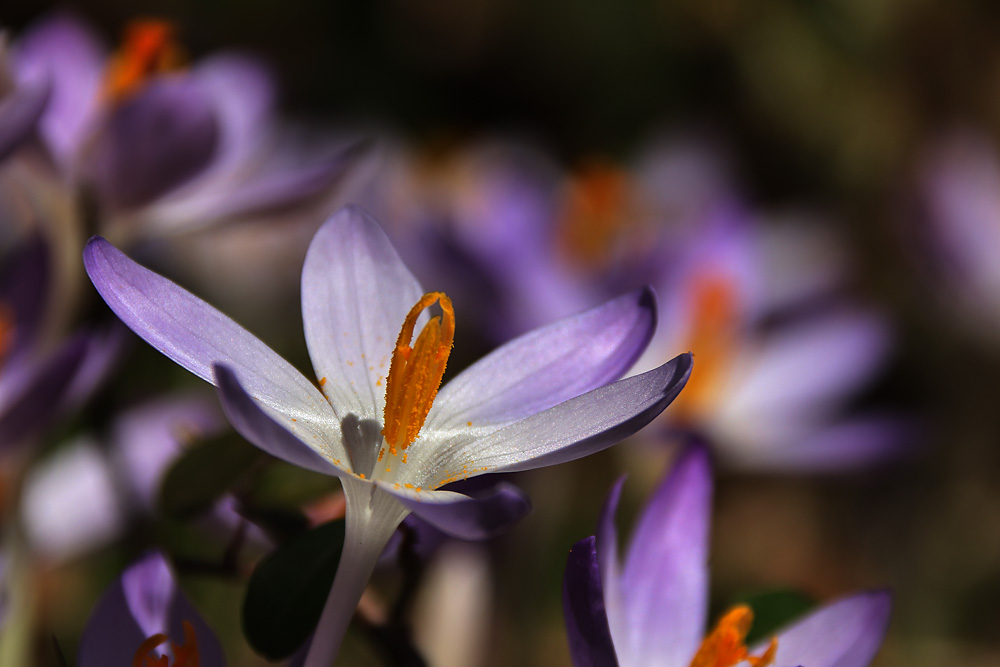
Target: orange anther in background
pixel 724 647
pixel 149 48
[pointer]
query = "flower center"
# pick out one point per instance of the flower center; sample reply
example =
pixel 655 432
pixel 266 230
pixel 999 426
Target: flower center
pixel 724 647
pixel 712 339
pixel 185 655
pixel 415 372
pixel 149 49
pixel 594 215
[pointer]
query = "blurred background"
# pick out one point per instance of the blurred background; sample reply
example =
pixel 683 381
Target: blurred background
pixel 872 126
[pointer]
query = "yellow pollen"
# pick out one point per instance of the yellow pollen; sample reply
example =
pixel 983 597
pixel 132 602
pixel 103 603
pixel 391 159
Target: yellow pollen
pixel 149 49
pixel 415 371
pixel 724 647
pixel 185 655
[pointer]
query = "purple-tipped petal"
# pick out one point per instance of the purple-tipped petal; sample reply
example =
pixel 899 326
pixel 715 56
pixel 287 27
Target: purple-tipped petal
pixel 256 426
pixel 143 602
pixel 197 336
pixel 356 293
pixel 845 633
pixel 550 365
pixel 152 143
pixel 464 517
pixel 664 584
pixel 65 52
pixel 590 643
pixel 19 114
pixel 31 393
pixel 578 427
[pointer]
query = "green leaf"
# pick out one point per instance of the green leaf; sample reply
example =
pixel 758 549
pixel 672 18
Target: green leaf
pixel 204 474
pixel 287 591
pixel 773 610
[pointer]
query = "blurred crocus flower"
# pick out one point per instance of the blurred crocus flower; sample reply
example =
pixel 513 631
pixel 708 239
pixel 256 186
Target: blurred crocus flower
pixel 160 146
pixel 960 183
pixel 41 379
pixel 144 620
pixel 781 350
pixel 375 418
pixel 651 609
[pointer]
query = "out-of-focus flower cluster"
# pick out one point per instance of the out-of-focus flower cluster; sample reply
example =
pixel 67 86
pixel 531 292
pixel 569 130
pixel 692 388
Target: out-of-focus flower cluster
pixel 472 316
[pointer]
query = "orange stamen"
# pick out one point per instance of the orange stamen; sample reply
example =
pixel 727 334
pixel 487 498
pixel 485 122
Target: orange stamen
pixel 724 647
pixel 415 372
pixel 594 215
pixel 148 49
pixel 711 339
pixel 185 655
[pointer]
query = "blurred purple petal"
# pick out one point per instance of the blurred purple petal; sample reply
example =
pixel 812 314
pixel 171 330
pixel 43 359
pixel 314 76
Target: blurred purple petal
pixel 147 439
pixel 196 336
pixel 575 428
pixel 844 633
pixel 149 591
pixel 62 50
pixel 356 292
pixel 846 445
pixel 25 279
pixel 152 142
pixel 664 585
pixel 607 558
pixel 256 426
pixel 469 518
pixel 550 365
pixel 19 114
pixel 586 619
pixel 31 393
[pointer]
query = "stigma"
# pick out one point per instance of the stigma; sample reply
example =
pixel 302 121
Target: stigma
pixel 148 49
pixel 185 655
pixel 724 647
pixel 415 372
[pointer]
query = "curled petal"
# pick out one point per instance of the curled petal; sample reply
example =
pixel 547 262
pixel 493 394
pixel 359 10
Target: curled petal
pixel 550 365
pixel 467 518
pixel 578 427
pixel 590 643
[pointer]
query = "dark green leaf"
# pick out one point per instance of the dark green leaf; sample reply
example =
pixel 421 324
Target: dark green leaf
pixel 287 591
pixel 773 610
pixel 204 474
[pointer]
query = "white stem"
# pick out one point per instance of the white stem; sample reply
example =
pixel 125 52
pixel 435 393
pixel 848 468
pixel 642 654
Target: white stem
pixel 371 518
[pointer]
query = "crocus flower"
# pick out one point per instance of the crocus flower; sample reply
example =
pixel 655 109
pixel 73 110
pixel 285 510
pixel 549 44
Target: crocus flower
pixel 651 609
pixel 144 620
pixel 162 147
pixel 781 348
pixel 375 417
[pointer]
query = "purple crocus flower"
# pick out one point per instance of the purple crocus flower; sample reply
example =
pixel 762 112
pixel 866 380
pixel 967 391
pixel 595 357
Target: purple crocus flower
pixel 781 349
pixel 651 609
pixel 375 418
pixel 144 620
pixel 164 148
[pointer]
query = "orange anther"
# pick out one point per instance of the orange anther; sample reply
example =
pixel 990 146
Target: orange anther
pixel 185 655
pixel 6 331
pixel 415 371
pixel 149 48
pixel 724 647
